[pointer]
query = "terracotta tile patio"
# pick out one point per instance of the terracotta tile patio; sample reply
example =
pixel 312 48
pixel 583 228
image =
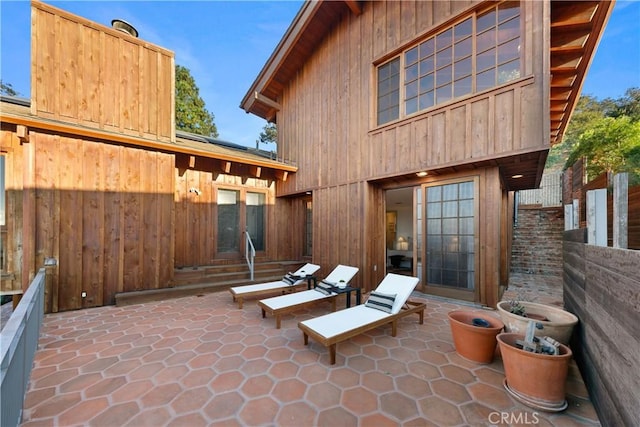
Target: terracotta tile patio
pixel 200 361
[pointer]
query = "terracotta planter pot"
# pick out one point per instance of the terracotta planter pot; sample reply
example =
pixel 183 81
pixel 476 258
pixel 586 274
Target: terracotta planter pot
pixel 558 325
pixel 476 343
pixel 537 380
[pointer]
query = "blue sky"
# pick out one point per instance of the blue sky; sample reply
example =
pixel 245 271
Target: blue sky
pixel 226 43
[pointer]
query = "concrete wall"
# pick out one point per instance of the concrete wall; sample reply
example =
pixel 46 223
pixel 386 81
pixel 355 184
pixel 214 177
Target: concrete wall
pixel 602 287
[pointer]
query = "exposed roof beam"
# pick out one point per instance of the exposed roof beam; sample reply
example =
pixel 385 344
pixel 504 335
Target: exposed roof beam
pixel 354 6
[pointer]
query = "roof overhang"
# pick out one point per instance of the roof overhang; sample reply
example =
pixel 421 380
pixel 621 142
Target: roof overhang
pixel 576 29
pixel 190 151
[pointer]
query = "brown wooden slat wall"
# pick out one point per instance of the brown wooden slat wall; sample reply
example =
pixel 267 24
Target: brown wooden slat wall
pixel 12 232
pixel 601 287
pixel 103 212
pixel 328 125
pixel 96 76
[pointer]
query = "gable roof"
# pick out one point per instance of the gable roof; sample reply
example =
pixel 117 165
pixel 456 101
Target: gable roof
pixel 576 29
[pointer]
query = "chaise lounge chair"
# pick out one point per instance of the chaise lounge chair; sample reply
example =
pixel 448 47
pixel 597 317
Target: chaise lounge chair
pixel 381 308
pixel 324 291
pixel 290 282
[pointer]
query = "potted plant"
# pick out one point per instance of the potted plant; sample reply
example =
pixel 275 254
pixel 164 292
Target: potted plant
pixel 474 334
pixel 551 321
pixel 535 377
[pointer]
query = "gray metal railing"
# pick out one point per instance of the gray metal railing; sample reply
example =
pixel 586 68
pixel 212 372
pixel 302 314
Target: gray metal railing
pixel 249 252
pixel 18 345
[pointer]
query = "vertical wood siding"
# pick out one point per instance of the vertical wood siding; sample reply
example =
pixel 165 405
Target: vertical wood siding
pixel 105 213
pixel 96 76
pixel 327 124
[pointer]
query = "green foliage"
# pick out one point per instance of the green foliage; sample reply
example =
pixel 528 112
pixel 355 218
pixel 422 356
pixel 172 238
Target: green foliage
pixel 191 114
pixel 606 133
pixel 7 89
pixel 268 135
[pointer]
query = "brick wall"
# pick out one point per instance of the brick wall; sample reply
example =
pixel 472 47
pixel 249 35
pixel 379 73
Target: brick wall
pixel 537 240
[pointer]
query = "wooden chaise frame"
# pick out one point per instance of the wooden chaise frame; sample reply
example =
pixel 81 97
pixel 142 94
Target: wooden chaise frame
pixel 409 307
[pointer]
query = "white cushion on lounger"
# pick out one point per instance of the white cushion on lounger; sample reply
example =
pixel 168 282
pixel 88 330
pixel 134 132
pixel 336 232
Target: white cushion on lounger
pixel 307 269
pixel 400 285
pixel 293 299
pixel 344 320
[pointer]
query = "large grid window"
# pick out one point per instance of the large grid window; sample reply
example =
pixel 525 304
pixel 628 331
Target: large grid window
pixel 473 55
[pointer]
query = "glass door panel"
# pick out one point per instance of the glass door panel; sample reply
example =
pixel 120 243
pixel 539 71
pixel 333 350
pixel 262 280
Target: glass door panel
pixel 450 235
pixel 228 221
pixel 255 219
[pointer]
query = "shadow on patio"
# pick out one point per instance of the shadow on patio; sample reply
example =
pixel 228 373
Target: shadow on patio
pixel 199 361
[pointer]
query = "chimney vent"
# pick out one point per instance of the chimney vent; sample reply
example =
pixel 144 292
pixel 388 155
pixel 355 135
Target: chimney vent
pixel 125 27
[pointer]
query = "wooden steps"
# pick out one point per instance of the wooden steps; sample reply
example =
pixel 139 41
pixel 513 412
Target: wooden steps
pixel 215 278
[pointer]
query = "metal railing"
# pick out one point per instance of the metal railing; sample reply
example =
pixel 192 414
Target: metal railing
pixel 18 345
pixel 249 252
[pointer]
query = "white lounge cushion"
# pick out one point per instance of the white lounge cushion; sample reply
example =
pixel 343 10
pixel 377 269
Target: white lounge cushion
pixel 276 303
pixel 307 269
pixel 338 322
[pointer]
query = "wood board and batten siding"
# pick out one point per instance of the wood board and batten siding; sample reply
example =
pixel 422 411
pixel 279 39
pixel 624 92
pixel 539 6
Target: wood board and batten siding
pixel 327 124
pixel 90 75
pixel 106 214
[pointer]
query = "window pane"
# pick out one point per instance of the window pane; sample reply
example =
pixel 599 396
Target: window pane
pixel 509 51
pixel 411 73
pixel 486 20
pixel 450 209
pixel 426 100
pixel 427 65
pixel 411 105
pixel 463 48
pixel 466 207
pixel 462 68
pixel 411 90
pixel 462 87
pixel 463 29
pixel 443 58
pixel 486 40
pixel 434 226
pixel 450 243
pixel 486 80
pixel 388 91
pixel 411 56
pixel 434 194
pixel 486 60
pixel 443 76
pixel 426 48
pixel 434 210
pixel 443 94
pixel 466 225
pixel 509 30
pixel 426 83
pixel 450 192
pixel 509 71
pixel 466 190
pixel 228 221
pixel 394 67
pixel 255 211
pixel 508 10
pixel 444 39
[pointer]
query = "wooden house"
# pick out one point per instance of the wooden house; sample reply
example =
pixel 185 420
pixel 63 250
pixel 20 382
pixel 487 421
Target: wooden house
pixel 97 178
pixel 450 106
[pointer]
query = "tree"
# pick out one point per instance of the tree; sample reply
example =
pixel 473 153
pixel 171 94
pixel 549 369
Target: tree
pixel 268 135
pixel 7 89
pixel 606 133
pixel 191 114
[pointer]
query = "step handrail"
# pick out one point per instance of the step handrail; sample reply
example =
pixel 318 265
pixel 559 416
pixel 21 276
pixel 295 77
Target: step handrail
pixel 249 252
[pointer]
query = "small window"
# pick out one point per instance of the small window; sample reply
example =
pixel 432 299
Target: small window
pixel 388 91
